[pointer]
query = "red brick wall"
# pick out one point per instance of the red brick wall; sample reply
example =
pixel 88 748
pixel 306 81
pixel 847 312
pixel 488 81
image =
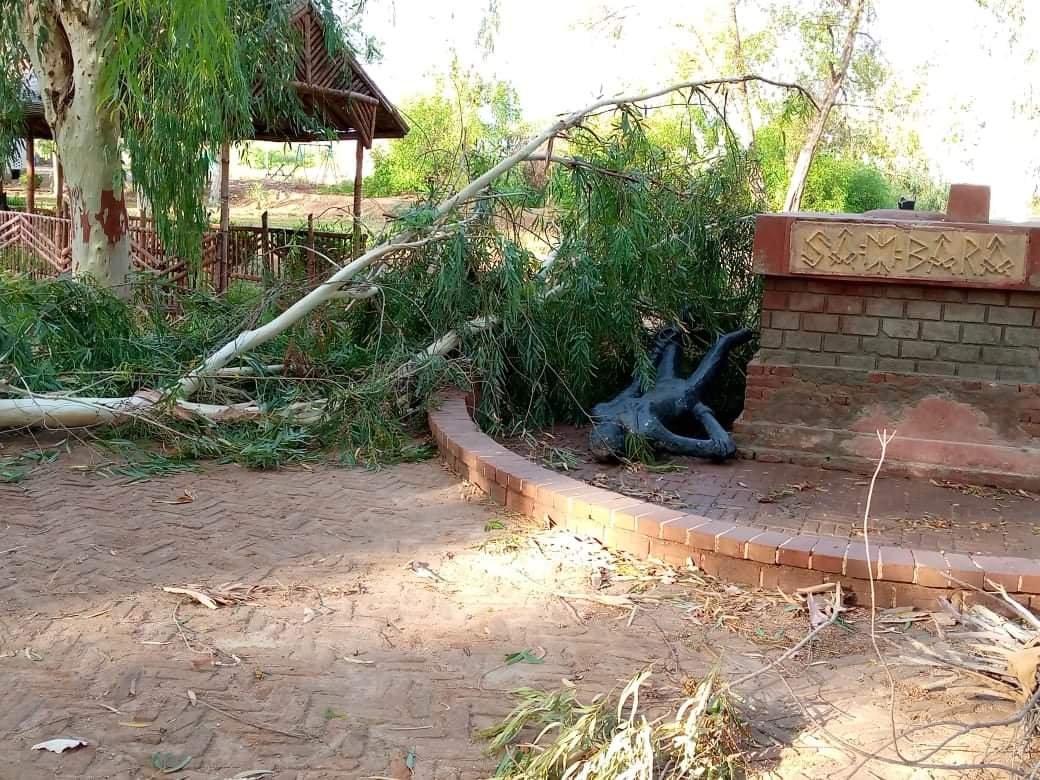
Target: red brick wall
pixel 955 371
pixel 909 329
pixel 848 402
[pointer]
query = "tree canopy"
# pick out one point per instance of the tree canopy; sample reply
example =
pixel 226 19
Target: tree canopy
pixel 865 158
pixel 167 84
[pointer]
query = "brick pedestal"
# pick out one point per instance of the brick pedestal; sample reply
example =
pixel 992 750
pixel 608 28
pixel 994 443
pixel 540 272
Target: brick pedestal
pixel 928 327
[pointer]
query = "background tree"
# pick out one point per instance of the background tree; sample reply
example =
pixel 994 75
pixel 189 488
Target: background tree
pixel 834 31
pixel 162 83
pixel 862 154
pixel 466 120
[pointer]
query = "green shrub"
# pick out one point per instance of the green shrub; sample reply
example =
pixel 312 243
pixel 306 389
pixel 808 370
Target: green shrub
pixel 266 159
pixel 836 184
pixel 428 154
pixel 867 189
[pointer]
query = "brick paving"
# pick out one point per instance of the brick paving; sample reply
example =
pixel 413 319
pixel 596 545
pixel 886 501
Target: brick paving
pixel 359 660
pixel 909 513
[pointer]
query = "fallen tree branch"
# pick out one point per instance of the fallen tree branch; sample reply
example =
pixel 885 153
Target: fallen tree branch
pixel 251 339
pixel 577 162
pixel 252 723
pixel 72 412
pixel 834 739
pixel 49 411
pixel 993 649
pixel 449 342
pixel 247 371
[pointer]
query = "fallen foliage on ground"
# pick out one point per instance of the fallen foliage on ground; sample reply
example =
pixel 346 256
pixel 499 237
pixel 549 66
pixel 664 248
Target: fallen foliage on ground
pixel 546 312
pixel 987 653
pixel 551 735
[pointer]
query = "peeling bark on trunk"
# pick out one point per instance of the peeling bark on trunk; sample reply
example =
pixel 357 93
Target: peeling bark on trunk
pixel 796 188
pixel 67 59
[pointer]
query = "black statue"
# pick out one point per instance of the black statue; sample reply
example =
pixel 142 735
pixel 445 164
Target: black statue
pixel 648 414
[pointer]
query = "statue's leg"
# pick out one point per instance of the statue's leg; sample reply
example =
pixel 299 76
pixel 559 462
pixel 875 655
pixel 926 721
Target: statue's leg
pixel 718 446
pixel 715 357
pixel 668 363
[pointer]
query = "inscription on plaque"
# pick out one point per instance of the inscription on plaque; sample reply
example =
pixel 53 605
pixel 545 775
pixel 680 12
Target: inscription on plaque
pixel 907 252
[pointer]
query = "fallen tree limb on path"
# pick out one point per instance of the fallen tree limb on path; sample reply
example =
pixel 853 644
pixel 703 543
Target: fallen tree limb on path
pixel 72 411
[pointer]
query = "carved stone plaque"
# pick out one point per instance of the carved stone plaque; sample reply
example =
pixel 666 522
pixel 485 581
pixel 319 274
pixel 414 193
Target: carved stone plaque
pixel 910 252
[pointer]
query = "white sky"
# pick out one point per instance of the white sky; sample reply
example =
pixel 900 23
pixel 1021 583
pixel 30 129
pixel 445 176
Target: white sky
pixel 970 126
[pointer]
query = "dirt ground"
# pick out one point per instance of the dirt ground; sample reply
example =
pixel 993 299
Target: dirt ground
pixel 347 662
pixel 286 201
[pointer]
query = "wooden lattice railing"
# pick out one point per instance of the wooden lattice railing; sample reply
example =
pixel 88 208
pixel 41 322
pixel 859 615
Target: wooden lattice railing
pixel 43 241
pixel 40 246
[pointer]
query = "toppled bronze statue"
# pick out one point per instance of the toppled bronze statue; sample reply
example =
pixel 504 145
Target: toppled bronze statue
pixel 647 414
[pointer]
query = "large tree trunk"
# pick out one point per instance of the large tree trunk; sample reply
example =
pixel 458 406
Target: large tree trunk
pixel 796 187
pixel 65 47
pixel 740 61
pixel 758 184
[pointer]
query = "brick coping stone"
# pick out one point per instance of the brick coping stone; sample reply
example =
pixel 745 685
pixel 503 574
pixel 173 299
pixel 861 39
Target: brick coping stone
pixel 751 556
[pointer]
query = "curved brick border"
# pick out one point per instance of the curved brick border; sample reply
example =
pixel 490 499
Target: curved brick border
pixel 739 553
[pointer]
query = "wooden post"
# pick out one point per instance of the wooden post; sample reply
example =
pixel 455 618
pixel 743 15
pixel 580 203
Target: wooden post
pixel 225 215
pixel 59 197
pixel 30 172
pixel 359 162
pixel 312 271
pixel 265 244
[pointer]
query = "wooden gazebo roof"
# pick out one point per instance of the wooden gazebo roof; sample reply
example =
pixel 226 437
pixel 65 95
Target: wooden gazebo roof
pixel 336 91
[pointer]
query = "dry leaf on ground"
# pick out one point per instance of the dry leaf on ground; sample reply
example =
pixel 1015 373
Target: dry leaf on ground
pixel 1023 664
pixel 399 769
pixel 184 498
pixel 227 594
pixel 200 597
pixel 60 744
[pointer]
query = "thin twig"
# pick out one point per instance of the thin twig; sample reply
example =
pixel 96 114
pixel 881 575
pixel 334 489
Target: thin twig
pixel 966 728
pixel 884 437
pixel 225 713
pixel 834 739
pixel 184 636
pixel 577 615
pixel 805 640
